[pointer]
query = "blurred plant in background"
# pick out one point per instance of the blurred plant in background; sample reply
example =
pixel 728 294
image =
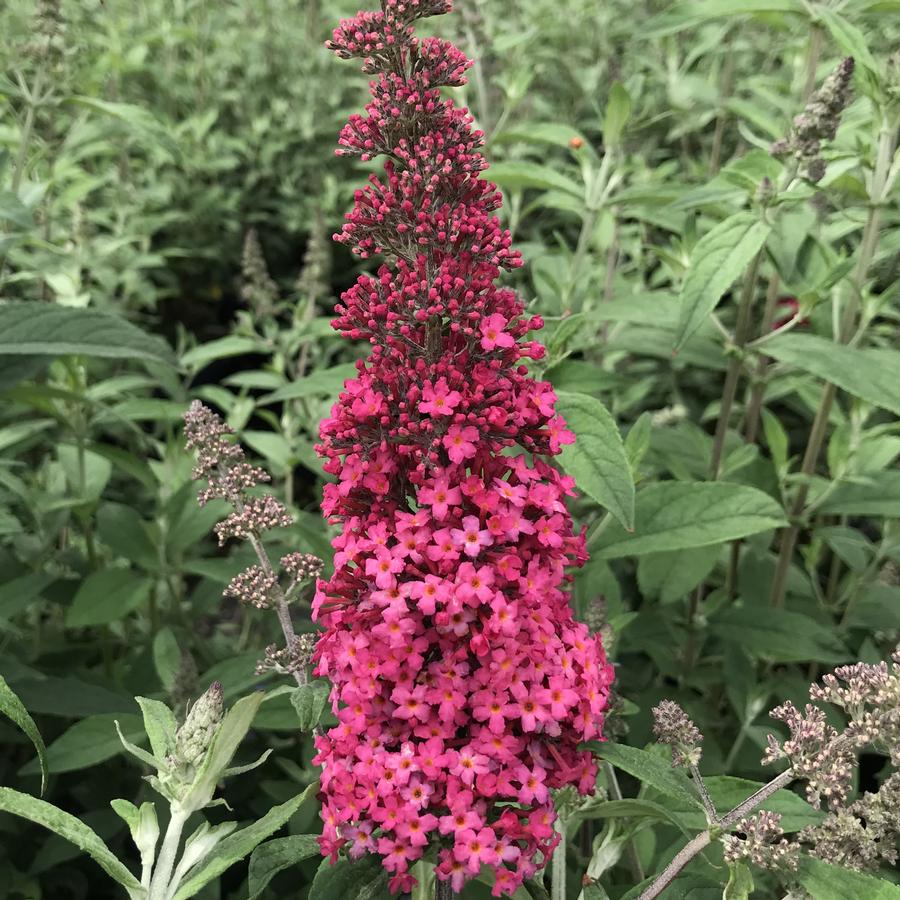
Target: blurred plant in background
pixel 167 194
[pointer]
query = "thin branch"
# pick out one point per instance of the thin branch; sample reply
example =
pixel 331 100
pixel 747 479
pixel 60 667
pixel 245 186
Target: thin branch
pixel 703 840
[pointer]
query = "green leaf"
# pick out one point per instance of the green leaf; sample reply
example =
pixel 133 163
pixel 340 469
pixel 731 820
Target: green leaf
pixel 236 846
pixel 740 882
pixel 87 483
pixel 597 459
pixel 275 856
pixel 106 596
pixel 70 828
pixel 718 259
pixel 829 882
pixel 309 702
pixel 138 119
pixel 160 725
pixel 538 133
pixel 232 345
pixel 727 792
pixel 12 707
pixel 362 879
pixel 872 375
pixel 166 657
pixel 672 575
pixel 678 515
pixel 270 445
pixel 142 825
pixel 324 382
pixel 42 328
pixel 124 531
pixel 86 743
pixel 518 174
pixel 872 497
pixel 618 111
pixel 848 37
pixel 778 635
pixel 650 769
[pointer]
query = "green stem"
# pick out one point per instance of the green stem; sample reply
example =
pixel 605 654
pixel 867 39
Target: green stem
pixel 634 861
pixel 819 428
pixel 165 863
pixel 726 80
pixel 558 864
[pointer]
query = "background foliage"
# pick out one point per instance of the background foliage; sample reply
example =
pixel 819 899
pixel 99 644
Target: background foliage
pixel 140 144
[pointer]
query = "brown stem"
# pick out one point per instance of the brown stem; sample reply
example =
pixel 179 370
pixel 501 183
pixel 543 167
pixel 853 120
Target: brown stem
pixel 281 606
pixel 702 840
pixel 754 405
pixel 443 890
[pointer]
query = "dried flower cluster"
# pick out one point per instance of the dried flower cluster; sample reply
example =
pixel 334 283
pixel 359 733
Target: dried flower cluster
pixel 672 726
pixel 869 696
pixel 864 834
pixel 259 290
pixel 462 684
pixel 760 840
pixel 818 122
pixel 221 463
pixel 861 835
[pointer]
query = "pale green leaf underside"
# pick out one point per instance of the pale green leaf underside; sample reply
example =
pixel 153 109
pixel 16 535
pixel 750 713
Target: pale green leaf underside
pixel 70 828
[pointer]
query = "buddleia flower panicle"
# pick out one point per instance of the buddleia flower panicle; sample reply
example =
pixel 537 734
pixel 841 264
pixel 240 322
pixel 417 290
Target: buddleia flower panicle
pixel 463 687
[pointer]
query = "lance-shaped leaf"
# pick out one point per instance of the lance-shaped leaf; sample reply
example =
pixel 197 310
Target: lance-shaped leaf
pixel 143 826
pixel 236 846
pixel 716 262
pixel 11 706
pixel 67 826
pixel 274 856
pixel 224 745
pixel 872 375
pixel 309 702
pixel 27 329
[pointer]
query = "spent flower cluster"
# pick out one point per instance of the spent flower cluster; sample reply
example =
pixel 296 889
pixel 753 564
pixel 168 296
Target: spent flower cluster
pixel 818 122
pixel 221 463
pixel 463 687
pixel 860 835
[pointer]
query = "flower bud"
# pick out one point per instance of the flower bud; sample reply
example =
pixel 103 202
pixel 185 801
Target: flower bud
pixel 194 737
